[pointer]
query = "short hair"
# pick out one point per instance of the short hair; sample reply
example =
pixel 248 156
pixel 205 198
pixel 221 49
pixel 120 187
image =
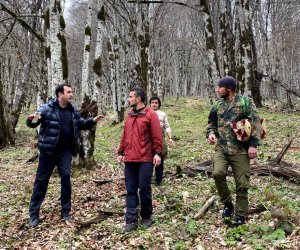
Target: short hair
pixel 60 88
pixel 153 98
pixel 139 92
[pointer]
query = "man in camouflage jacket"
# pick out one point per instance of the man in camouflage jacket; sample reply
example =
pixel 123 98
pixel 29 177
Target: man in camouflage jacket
pixel 229 150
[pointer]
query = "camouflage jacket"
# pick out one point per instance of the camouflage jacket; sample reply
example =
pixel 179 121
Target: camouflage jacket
pixel 220 117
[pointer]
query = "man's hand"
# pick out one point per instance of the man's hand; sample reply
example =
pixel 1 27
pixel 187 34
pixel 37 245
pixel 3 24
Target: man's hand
pixel 34 117
pixel 156 160
pixel 172 143
pixel 212 139
pixel 120 159
pixel 252 152
pixel 98 118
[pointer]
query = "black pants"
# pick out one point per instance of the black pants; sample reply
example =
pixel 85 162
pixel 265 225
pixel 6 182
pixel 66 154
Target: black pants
pixel 159 171
pixel 138 176
pixel 45 168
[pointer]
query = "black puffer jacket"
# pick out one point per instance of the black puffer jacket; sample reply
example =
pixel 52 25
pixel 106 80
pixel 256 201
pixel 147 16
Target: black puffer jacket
pixel 51 124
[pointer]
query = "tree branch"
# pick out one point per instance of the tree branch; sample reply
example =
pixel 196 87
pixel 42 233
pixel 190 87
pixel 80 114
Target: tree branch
pixel 283 151
pixel 206 206
pixel 283 85
pixel 7 35
pixel 22 22
pixel 160 1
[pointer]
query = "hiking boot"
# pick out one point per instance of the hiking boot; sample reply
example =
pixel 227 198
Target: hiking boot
pixel 66 217
pixel 239 221
pixel 227 211
pixel 33 221
pixel 146 223
pixel 130 227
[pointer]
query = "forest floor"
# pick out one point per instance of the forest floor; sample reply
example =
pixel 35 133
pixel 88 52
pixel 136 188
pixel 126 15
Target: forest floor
pixel 175 205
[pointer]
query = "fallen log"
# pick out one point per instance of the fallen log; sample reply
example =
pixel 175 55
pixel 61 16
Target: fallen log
pixel 275 167
pixel 283 170
pixel 277 171
pixel 206 206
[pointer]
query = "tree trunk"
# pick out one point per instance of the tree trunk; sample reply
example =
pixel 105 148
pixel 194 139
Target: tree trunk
pixel 99 81
pixel 228 39
pixel 86 88
pixel 89 107
pixel 247 73
pixel 87 138
pixel 58 52
pixel 4 135
pixel 213 65
pixel 21 89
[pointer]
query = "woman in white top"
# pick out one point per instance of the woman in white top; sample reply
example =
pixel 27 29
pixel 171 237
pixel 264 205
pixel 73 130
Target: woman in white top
pixel 155 104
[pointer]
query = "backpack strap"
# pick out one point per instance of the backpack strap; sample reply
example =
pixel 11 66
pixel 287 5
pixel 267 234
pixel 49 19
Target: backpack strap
pixel 245 103
pixel 217 104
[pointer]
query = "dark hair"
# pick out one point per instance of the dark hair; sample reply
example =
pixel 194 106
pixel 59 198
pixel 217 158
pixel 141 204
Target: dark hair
pixel 60 88
pixel 139 92
pixel 153 98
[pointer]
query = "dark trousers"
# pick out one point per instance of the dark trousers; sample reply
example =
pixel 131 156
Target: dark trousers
pixel 138 176
pixel 45 168
pixel 159 171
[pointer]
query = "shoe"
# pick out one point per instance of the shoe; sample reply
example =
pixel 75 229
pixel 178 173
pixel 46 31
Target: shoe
pixel 146 223
pixel 130 227
pixel 66 217
pixel 33 221
pixel 227 211
pixel 239 221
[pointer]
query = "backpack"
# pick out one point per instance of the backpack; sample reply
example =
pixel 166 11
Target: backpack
pixel 242 128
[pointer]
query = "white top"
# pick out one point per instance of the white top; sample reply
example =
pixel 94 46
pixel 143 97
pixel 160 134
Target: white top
pixel 162 116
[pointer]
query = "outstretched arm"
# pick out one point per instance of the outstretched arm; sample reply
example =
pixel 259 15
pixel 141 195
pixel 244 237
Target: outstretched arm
pixel 35 119
pixel 98 118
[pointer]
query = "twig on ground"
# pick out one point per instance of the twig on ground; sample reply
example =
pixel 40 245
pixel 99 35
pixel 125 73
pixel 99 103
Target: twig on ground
pixel 205 208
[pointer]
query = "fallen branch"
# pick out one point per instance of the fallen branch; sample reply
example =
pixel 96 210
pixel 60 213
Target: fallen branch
pixel 102 215
pixel 283 151
pixel 260 208
pixel 110 212
pixel 33 159
pixel 205 208
pixel 101 182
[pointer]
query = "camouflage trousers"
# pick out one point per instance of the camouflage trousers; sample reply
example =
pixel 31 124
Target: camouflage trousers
pixel 240 165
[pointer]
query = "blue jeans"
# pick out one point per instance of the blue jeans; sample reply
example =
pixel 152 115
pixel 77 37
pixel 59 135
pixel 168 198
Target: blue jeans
pixel 45 168
pixel 138 176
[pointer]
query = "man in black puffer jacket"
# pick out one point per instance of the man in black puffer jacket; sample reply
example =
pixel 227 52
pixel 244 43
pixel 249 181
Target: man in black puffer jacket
pixel 59 123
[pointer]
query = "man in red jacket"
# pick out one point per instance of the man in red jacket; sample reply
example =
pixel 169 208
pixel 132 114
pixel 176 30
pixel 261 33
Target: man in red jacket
pixel 140 149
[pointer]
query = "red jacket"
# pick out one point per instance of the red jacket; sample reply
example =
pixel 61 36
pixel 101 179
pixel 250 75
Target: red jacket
pixel 142 136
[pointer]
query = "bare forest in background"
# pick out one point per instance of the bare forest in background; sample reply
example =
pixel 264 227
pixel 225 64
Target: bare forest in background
pixel 170 48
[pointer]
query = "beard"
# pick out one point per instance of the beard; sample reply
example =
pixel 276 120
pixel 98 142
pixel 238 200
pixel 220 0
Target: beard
pixel 224 95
